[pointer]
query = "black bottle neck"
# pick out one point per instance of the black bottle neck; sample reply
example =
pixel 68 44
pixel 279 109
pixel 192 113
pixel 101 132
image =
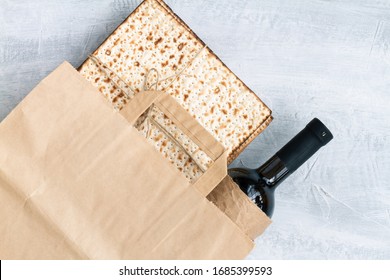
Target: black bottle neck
pixel 273 172
pixel 292 155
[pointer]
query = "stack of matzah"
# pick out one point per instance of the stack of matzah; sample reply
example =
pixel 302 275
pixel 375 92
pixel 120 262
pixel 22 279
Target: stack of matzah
pixel 153 37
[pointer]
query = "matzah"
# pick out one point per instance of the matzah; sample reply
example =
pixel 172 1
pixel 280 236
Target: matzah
pixel 153 37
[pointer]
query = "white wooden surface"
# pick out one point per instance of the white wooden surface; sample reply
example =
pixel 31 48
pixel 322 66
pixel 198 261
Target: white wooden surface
pixel 327 59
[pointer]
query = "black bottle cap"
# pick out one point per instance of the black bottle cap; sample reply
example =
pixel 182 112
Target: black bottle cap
pixel 305 144
pixel 320 130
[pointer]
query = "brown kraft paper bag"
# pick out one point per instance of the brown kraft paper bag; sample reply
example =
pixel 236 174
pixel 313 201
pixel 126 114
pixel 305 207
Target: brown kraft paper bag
pixel 79 180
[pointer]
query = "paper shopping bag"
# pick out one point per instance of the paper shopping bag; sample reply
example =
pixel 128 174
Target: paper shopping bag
pixel 79 180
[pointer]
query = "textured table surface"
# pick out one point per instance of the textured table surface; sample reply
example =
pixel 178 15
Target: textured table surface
pixel 326 59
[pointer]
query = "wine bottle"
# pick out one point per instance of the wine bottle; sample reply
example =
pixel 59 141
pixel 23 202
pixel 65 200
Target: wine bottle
pixel 260 183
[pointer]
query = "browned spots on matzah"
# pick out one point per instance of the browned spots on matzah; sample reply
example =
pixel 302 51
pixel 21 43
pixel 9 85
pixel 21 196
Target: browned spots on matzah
pixel 158 41
pixel 181 58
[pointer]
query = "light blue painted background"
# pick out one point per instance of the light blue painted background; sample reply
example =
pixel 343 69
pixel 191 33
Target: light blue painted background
pixel 327 59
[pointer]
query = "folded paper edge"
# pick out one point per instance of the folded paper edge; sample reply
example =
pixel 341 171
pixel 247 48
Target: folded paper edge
pixel 252 210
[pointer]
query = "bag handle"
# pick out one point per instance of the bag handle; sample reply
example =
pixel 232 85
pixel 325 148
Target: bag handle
pixel 189 126
pixel 201 137
pixel 138 103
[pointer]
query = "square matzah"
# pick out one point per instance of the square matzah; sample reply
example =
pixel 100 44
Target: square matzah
pixel 154 37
